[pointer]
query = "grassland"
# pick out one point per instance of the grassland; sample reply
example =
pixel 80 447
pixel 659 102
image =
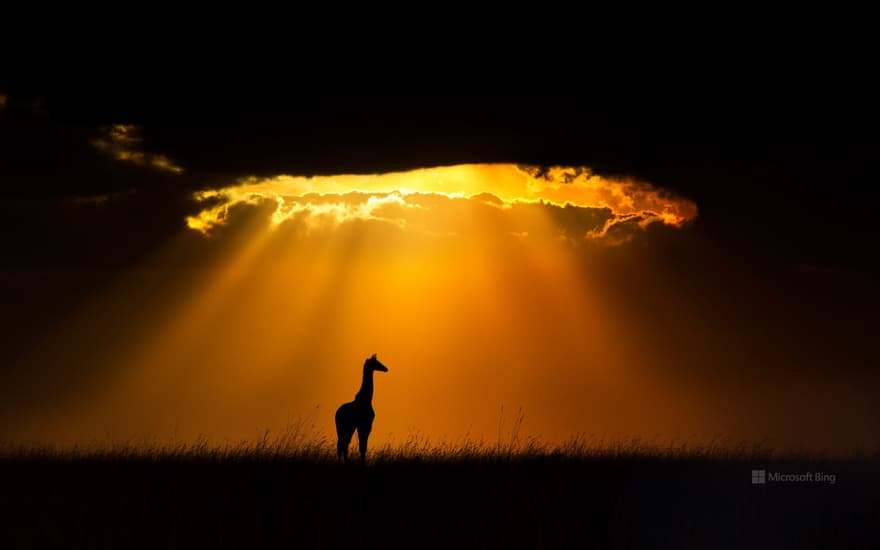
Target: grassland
pixel 289 492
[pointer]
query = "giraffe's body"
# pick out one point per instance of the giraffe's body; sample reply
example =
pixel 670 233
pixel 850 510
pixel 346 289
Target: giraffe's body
pixel 358 415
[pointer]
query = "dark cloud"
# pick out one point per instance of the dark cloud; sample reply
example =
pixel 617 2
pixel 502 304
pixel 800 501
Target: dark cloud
pixel 773 182
pixel 123 142
pixel 45 157
pixel 81 195
pixel 744 156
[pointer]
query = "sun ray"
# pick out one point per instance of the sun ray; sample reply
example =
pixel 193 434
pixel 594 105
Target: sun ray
pixel 469 280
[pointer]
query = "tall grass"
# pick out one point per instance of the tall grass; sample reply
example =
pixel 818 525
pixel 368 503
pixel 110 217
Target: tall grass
pixel 302 440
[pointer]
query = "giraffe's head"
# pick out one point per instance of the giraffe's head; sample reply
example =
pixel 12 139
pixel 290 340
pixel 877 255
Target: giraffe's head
pixel 373 363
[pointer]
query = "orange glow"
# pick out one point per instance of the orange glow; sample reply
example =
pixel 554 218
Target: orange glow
pixel 478 286
pixel 411 198
pixel 468 281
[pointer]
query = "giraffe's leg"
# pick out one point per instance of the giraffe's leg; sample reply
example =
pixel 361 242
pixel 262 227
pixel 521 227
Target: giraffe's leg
pixel 345 426
pixel 342 444
pixel 363 435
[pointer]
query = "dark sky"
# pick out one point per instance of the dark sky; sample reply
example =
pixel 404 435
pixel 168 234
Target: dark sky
pixel 784 181
pixel 780 175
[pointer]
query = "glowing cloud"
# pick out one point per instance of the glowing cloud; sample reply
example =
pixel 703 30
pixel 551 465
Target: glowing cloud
pixel 574 202
pixel 123 142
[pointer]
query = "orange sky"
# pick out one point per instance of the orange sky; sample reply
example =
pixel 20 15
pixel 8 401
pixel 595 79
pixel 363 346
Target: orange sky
pixel 399 197
pixel 478 286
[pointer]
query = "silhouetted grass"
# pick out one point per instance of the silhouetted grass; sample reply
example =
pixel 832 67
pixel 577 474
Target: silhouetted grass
pixel 287 490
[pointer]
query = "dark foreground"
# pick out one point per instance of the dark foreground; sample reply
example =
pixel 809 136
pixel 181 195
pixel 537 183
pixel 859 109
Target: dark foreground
pixel 537 502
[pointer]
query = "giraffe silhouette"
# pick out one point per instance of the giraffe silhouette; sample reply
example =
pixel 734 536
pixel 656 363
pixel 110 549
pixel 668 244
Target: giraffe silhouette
pixel 358 414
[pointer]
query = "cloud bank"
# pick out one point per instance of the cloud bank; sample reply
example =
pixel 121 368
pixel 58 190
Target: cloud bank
pixel 522 201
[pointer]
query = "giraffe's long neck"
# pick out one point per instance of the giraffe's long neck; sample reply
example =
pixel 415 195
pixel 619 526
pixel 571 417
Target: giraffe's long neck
pixel 365 394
